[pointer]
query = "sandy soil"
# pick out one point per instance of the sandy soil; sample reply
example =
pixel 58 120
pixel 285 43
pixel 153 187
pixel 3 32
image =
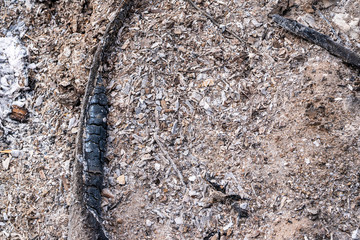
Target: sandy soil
pixel 273 120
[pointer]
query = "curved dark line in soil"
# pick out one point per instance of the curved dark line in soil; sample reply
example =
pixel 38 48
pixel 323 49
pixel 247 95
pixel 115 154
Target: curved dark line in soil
pixel 84 219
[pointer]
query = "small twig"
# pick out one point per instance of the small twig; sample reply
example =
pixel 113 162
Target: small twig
pixel 224 29
pixel 319 39
pixel 168 158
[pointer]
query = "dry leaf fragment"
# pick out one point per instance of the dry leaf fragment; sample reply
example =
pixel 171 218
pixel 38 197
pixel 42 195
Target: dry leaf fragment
pixel 18 113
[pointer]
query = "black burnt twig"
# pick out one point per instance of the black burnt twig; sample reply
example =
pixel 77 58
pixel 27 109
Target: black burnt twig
pixel 84 220
pixel 319 39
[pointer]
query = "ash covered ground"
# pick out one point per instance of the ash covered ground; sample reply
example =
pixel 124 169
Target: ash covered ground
pixel 209 137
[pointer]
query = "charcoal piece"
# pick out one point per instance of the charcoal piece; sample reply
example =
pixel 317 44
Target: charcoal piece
pixel 242 213
pixel 92 152
pixel 97 111
pixel 95 166
pixel 99 121
pixel 93 223
pixel 236 197
pixel 95 130
pixel 102 145
pixel 93 138
pixel 210 179
pixel 211 235
pixel 91 147
pixel 101 133
pixel 99 90
pixel 99 99
pixel 95 180
pixel 93 198
pixel 319 39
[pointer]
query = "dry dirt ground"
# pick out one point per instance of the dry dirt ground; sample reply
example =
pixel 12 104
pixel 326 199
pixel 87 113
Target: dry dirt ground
pixel 264 133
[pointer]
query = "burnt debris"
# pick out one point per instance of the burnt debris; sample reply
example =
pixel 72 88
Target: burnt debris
pixel 319 39
pixel 94 151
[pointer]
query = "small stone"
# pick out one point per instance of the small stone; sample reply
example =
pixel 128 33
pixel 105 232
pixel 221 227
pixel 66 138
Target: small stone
pixel 192 193
pixel 38 101
pixel 157 166
pixel 328 3
pixel 149 223
pixel 146 157
pixel 121 180
pixel 355 235
pixel 42 175
pixel 177 31
pixel 244 206
pixel 192 178
pixel 6 164
pixel 15 153
pixel 119 220
pixel 182 49
pixel 179 220
pixel 313 213
pixel 208 83
pixel 228 226
pixel 340 20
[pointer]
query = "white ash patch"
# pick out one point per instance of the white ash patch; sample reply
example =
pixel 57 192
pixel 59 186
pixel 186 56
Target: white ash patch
pixel 13 72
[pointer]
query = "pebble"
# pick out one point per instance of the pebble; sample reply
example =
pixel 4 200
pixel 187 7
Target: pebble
pixel 149 223
pixel 177 31
pixel 15 153
pixel 192 193
pixel 121 180
pixel 179 220
pixel 192 178
pixel 355 235
pixel 157 166
pixel 38 101
pixel 6 164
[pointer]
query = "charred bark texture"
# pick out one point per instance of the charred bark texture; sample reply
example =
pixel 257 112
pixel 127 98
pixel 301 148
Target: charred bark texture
pixel 85 211
pixel 94 151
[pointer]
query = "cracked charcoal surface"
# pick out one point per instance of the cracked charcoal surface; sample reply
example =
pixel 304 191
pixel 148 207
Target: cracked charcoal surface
pixel 94 148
